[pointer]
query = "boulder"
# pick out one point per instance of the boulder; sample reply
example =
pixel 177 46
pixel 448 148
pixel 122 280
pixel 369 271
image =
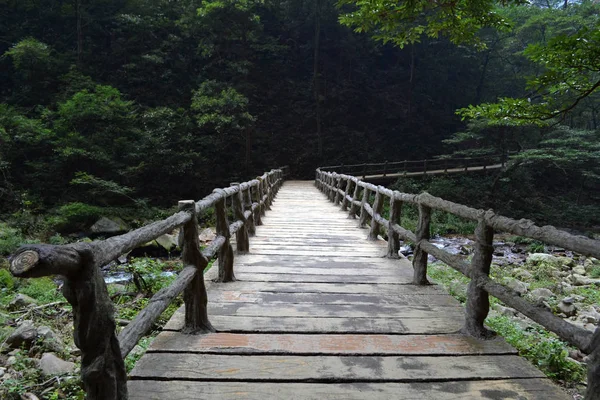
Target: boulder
pixel 541 294
pixel 50 340
pixel 21 301
pixel 167 242
pixel 111 225
pixel 207 235
pixel 521 273
pixel 544 259
pixel 590 263
pixel 567 307
pixel 52 365
pixel 516 285
pixel 509 312
pixel 580 270
pixel 24 335
pixel 567 262
pixel 580 280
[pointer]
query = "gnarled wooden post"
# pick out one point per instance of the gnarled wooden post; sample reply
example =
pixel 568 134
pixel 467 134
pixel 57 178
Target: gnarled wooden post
pixel 226 251
pixel 478 302
pixel 337 196
pixel 346 193
pixel 362 220
pixel 420 256
pixel 353 207
pixel 377 207
pixel 262 191
pixel 194 295
pixel 593 366
pixel 257 208
pixel 393 237
pixel 248 207
pixel 102 368
pixel 241 236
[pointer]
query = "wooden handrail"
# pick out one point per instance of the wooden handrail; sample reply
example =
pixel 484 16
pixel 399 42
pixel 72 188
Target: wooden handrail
pixel 481 285
pixel 102 352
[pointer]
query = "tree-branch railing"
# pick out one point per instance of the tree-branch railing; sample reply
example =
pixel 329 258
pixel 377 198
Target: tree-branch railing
pixel 102 351
pixel 354 194
pixel 427 166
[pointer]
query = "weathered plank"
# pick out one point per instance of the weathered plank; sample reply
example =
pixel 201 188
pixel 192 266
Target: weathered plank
pixel 521 389
pixel 334 278
pixel 332 344
pixel 435 325
pixel 331 368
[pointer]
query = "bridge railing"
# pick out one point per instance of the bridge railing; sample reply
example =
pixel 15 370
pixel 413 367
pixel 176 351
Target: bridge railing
pixel 398 168
pixel 353 194
pixel 102 352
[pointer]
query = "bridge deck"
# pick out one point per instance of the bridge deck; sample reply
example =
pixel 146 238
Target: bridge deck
pixel 317 313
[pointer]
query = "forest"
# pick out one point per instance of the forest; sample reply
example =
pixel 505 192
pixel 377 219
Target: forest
pixel 139 103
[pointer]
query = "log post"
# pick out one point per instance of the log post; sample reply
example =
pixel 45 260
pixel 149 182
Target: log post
pixel 364 175
pixel 338 186
pixel 393 237
pixel 226 251
pixel 385 167
pixel 354 207
pixel 346 193
pixel 257 210
pixel 241 236
pixel 269 192
pixel 362 220
pixel 262 191
pixel 377 208
pixel 332 187
pixel 593 366
pixel 248 207
pixel 420 256
pixel 478 302
pixel 102 368
pixel 194 295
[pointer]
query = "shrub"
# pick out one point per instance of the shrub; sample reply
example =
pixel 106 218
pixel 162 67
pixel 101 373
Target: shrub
pixel 74 216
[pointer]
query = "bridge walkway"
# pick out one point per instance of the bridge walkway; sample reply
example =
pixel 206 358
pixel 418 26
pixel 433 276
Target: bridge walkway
pixel 317 312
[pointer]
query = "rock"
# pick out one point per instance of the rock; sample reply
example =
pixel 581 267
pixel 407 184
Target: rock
pixel 109 225
pixel 590 263
pixel 567 262
pixel 579 270
pixel 12 360
pixel 580 280
pixel 521 273
pixel 509 312
pixel 167 242
pixel 466 250
pixel 52 365
pixel 2 371
pixel 516 285
pixel 542 258
pixel 29 396
pixel 541 294
pixel 207 235
pixel 50 340
pixel 21 301
pixel 586 326
pixel 589 315
pixel 24 335
pixel 567 307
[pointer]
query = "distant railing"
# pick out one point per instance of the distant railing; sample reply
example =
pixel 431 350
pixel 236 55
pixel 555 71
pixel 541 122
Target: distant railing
pixel 102 352
pixel 374 171
pixel 354 196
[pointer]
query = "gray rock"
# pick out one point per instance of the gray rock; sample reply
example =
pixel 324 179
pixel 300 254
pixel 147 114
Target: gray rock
pixel 567 307
pixel 52 365
pixel 167 242
pixel 579 270
pixel 542 258
pixel 50 340
pixel 590 263
pixel 566 262
pixel 541 294
pixel 521 273
pixel 516 285
pixel 580 280
pixel 2 371
pixel 207 235
pixel 24 335
pixel 12 360
pixel 109 225
pixel 509 312
pixel 29 396
pixel 21 301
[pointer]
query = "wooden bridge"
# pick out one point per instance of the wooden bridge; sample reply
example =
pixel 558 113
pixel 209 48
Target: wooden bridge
pixel 313 307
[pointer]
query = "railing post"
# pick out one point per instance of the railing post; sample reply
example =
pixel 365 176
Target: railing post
pixel 420 256
pixel 248 207
pixel 377 208
pixel 226 252
pixel 405 167
pixel 241 235
pixel 102 368
pixel 346 193
pixel 269 192
pixel 393 237
pixel 338 186
pixel 362 220
pixel 332 187
pixel 593 366
pixel 478 302
pixel 194 295
pixel 385 165
pixel 257 198
pixel 263 194
pixel 364 175
pixel 354 207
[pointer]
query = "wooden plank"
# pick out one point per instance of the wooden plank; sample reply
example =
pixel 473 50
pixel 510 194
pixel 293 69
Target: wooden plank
pixel 319 271
pixel 345 261
pixel 331 368
pixel 522 389
pixel 434 325
pixel 328 344
pixel 254 277
pixel 247 296
pixel 302 287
